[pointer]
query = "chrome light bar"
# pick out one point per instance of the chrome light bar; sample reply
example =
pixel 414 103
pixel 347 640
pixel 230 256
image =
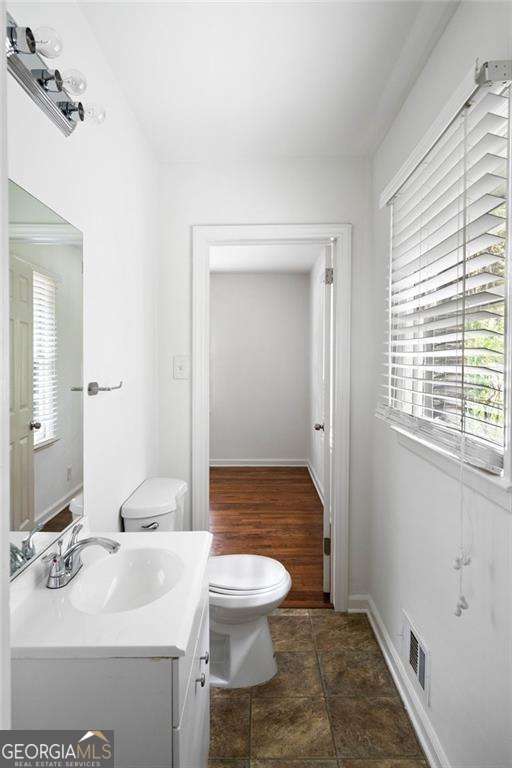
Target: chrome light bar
pixel 28 68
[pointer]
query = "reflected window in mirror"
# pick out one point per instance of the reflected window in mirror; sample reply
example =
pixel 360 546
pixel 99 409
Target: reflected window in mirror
pixel 46 423
pixel 45 379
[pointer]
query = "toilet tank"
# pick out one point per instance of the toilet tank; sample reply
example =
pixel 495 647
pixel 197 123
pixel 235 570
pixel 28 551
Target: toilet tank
pixel 156 505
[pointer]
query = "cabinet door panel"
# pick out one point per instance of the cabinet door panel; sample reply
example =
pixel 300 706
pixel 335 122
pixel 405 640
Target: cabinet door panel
pixel 191 739
pixel 183 667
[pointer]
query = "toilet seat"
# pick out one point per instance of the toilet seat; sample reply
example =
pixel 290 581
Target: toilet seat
pixel 248 592
pixel 245 574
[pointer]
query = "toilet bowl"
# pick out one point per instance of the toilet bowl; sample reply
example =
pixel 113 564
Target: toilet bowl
pixel 244 590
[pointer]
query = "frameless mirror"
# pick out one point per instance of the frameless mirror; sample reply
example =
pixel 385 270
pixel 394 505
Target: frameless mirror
pixel 46 446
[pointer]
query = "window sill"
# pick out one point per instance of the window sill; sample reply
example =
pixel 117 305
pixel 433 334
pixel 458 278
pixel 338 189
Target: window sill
pixel 46 443
pixel 496 489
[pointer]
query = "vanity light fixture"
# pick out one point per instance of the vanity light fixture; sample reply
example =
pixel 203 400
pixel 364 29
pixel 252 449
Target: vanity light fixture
pixel 54 92
pixel 73 110
pixel 49 79
pixel 21 39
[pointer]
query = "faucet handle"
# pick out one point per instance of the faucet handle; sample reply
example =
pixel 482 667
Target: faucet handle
pixel 74 534
pixel 54 556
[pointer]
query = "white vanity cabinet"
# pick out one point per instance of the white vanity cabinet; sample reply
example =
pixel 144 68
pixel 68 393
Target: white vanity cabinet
pixel 91 657
pixel 158 707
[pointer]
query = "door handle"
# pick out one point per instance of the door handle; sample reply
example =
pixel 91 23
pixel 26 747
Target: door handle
pixel 318 427
pixel 35 424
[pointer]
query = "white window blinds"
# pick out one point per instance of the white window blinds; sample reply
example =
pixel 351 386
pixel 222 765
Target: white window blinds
pixel 45 358
pixel 444 377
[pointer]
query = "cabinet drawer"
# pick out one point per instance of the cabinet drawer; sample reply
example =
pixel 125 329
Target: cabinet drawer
pixel 191 739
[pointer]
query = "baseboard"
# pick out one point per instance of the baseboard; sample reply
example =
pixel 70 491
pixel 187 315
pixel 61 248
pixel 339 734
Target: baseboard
pixel 316 482
pixel 57 506
pixel 425 731
pixel 358 604
pixel 258 463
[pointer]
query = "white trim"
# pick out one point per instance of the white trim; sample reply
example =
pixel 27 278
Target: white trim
pixel 58 506
pixel 420 720
pixel 258 463
pixel 316 481
pixel 451 109
pixel 203 237
pixel 5 662
pixel 45 234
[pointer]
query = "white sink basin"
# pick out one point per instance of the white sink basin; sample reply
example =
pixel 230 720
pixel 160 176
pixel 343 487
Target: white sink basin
pixel 126 580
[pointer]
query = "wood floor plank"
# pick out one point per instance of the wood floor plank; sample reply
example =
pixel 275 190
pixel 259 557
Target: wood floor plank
pixel 272 511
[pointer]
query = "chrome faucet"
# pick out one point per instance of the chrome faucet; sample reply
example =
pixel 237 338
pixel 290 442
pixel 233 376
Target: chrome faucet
pixel 27 546
pixel 65 565
pixel 17 559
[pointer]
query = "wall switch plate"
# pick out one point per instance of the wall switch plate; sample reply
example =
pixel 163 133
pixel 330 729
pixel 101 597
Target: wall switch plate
pixel 69 474
pixel 181 366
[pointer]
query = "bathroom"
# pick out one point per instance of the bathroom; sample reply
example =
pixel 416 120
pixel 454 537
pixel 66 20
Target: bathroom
pixel 288 116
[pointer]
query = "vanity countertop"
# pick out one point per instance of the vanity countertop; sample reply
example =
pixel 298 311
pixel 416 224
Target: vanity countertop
pixel 48 624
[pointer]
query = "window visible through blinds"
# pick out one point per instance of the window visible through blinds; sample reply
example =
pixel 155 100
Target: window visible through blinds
pixel 45 358
pixel 444 376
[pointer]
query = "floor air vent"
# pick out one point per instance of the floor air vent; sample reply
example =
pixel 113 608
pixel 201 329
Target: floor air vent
pixel 417 655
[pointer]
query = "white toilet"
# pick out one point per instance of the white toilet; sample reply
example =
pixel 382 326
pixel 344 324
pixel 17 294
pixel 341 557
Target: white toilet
pixel 76 505
pixel 156 505
pixel 244 589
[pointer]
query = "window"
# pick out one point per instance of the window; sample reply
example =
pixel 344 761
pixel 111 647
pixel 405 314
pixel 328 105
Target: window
pixel 45 358
pixel 445 363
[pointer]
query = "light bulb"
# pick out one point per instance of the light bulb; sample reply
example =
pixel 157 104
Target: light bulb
pixel 48 42
pixel 74 81
pixel 94 113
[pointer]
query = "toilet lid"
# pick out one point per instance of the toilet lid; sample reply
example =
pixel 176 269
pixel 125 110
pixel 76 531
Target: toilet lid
pixel 244 573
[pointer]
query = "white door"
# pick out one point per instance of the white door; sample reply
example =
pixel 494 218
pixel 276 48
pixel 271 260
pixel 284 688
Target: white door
pixel 21 424
pixel 327 411
pixel 322 397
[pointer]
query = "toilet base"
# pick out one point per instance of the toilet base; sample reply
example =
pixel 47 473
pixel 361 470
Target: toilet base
pixel 242 655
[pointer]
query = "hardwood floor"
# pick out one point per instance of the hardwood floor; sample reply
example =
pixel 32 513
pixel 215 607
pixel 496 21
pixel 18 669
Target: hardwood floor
pixel 272 511
pixel 59 521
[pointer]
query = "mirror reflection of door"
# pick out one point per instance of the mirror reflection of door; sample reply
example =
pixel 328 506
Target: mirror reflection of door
pixel 21 420
pixel 46 462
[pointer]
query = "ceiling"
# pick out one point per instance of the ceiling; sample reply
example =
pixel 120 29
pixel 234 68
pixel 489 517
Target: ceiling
pixel 264 258
pixel 265 79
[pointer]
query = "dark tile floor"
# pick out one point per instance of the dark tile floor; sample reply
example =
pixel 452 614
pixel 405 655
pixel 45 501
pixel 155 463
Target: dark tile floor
pixel 332 704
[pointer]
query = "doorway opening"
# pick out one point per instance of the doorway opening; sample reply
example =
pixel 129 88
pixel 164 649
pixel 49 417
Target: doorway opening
pixel 271 399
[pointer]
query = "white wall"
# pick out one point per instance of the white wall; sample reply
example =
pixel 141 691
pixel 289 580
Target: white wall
pixel 104 180
pixel 259 373
pixel 264 191
pixel 52 488
pixel 415 520
pixel 316 358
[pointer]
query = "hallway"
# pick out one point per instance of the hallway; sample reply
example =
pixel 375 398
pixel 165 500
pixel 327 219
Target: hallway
pixel 272 511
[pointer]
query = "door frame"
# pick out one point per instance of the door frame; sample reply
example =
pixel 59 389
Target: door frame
pixel 205 237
